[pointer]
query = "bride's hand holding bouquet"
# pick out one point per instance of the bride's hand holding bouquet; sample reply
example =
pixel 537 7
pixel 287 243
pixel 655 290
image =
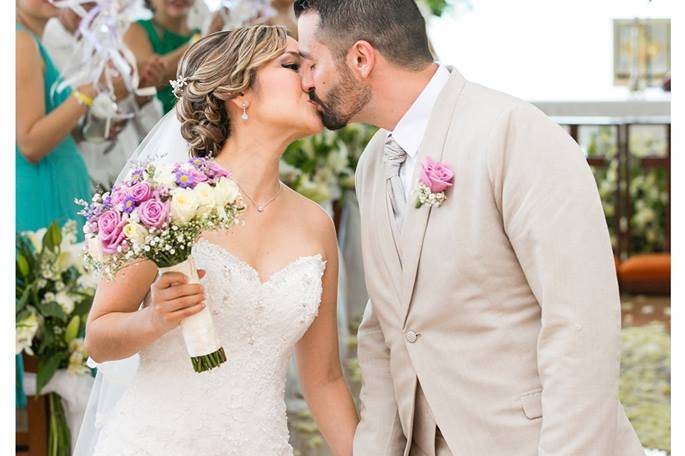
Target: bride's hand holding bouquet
pixel 158 213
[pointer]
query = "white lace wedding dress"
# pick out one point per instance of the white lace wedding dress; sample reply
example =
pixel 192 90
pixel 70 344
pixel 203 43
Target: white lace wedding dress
pixel 239 408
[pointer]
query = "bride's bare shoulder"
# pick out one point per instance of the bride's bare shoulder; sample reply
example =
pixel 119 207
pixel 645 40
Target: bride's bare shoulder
pixel 312 216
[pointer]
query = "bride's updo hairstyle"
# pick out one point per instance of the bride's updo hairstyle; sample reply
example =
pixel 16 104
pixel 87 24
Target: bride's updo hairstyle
pixel 214 70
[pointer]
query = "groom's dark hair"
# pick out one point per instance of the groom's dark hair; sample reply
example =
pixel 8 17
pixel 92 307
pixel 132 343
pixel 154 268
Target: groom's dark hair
pixel 395 28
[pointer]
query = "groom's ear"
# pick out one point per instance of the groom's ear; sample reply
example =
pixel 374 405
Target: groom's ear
pixel 361 58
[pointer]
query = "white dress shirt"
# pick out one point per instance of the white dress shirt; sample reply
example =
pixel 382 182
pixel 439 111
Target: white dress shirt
pixel 411 128
pixel 103 168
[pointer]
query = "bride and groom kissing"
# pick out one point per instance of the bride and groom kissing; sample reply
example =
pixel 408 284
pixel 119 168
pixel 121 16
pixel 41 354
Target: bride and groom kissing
pixel 493 321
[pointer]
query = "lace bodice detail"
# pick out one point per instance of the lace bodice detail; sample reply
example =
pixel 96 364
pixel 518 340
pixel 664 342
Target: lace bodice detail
pixel 239 408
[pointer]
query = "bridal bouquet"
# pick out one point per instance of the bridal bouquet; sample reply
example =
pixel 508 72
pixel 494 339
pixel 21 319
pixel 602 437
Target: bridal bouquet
pixel 158 213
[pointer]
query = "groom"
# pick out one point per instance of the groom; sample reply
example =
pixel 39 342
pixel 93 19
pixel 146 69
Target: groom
pixel 493 322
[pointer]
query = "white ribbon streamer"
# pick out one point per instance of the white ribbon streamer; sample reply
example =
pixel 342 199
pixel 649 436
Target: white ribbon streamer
pixel 101 53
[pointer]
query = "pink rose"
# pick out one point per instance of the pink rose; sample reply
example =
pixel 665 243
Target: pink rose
pixel 111 233
pixel 118 195
pixel 154 213
pixel 218 170
pixel 199 176
pixel 140 192
pixel 436 176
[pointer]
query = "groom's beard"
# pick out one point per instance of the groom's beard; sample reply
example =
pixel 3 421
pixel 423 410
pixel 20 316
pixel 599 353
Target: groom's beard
pixel 345 100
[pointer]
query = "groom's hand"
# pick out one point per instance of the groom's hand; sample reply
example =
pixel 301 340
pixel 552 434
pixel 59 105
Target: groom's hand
pixel 173 299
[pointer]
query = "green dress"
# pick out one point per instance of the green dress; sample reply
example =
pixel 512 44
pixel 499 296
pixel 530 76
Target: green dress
pixel 162 45
pixel 45 191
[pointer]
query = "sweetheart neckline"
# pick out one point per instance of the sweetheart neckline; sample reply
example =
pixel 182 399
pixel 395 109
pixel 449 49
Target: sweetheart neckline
pixel 254 271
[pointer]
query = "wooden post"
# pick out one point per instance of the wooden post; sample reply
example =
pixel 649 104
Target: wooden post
pixel 34 441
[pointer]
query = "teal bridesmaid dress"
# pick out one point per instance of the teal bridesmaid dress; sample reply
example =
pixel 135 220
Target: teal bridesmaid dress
pixel 45 191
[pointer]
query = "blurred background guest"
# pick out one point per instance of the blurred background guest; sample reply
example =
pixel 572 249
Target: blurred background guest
pixel 50 171
pixel 105 160
pixel 165 38
pixel 283 14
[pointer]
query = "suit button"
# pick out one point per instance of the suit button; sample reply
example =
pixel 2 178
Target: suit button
pixel 411 337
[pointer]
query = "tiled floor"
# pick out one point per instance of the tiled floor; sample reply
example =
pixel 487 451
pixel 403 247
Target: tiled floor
pixel 638 310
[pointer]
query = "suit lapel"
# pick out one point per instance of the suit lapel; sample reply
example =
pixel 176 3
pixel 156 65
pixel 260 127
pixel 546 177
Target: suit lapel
pixel 416 220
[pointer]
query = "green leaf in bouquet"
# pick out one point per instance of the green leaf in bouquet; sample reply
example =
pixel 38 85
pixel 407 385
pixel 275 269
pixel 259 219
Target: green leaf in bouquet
pixel 22 265
pixel 83 307
pixel 72 329
pixel 45 340
pixel 21 303
pixel 53 237
pixel 52 309
pixel 34 296
pixel 22 314
pixel 46 370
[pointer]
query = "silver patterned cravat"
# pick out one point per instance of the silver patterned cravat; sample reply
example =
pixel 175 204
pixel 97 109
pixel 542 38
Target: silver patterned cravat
pixel 393 157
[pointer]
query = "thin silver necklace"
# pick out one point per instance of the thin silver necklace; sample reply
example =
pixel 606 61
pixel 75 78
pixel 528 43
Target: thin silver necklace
pixel 261 208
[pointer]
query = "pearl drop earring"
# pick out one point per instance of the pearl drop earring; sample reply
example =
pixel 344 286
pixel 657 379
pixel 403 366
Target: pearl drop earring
pixel 244 116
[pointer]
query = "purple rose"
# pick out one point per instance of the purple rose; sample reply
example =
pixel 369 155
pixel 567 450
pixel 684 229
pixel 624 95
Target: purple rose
pixel 140 192
pixel 111 232
pixel 154 213
pixel 436 176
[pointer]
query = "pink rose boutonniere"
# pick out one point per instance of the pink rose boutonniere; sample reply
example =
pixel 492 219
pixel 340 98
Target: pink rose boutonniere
pixel 435 179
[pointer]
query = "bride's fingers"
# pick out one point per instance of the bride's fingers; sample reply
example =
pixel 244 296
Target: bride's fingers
pixel 178 316
pixel 170 278
pixel 178 304
pixel 179 291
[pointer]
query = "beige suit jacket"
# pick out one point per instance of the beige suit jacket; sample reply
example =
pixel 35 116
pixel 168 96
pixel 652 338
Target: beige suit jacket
pixel 506 306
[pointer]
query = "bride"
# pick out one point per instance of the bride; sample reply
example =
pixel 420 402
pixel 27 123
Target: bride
pixel 270 283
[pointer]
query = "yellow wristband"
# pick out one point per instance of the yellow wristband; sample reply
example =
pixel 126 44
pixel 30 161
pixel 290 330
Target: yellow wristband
pixel 82 99
pixel 195 38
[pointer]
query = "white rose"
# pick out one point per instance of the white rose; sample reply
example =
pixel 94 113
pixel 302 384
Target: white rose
pixel 184 205
pixel 136 233
pixel 26 331
pixel 226 192
pixel 205 197
pixel 165 175
pixel 95 249
pixel 66 302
